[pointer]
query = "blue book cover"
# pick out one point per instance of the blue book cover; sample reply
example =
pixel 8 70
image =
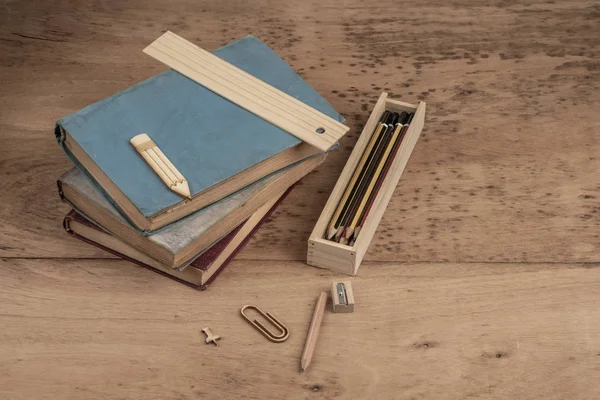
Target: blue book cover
pixel 208 138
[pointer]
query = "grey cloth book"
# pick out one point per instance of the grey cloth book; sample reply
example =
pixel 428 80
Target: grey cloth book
pixel 177 244
pixel 201 272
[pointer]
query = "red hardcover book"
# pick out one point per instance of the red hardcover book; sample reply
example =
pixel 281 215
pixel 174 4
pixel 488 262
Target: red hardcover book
pixel 202 271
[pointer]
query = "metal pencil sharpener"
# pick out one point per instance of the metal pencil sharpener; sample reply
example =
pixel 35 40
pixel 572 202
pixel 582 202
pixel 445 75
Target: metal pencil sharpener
pixel 342 297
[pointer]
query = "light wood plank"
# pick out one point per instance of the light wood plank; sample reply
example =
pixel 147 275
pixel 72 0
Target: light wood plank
pixel 241 88
pixel 107 329
pixel 505 170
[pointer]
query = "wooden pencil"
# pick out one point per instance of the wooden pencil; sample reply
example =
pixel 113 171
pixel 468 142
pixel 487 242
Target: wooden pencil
pixel 405 123
pixel 359 172
pixel 342 205
pixel 369 190
pixel 161 165
pixel 365 212
pixel 360 176
pixel 313 332
pixel 363 185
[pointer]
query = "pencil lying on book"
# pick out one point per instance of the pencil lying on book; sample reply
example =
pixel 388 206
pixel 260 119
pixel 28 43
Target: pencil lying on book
pixel 161 165
pixel 406 119
pixel 343 204
pixel 364 184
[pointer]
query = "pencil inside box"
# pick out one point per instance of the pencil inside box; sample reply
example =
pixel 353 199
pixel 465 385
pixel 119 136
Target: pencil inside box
pixel 359 195
pixel 365 186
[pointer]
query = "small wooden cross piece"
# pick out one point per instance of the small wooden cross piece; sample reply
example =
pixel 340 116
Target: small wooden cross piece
pixel 210 337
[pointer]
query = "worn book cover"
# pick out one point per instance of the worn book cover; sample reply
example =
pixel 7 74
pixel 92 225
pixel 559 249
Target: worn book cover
pixel 218 146
pixel 201 272
pixel 178 243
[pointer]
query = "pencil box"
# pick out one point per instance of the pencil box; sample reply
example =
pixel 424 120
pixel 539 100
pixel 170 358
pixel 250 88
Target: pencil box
pixel 324 253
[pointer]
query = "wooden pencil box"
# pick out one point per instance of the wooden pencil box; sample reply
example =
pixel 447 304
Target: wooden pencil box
pixel 346 259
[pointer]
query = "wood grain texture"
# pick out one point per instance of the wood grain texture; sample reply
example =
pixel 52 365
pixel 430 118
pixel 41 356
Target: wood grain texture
pixel 73 330
pixel 505 171
pixel 504 176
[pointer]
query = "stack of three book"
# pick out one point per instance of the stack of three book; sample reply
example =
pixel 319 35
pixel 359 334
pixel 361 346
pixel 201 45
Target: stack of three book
pixel 238 166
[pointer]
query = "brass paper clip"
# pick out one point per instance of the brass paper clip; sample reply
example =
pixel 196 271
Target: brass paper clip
pixel 273 337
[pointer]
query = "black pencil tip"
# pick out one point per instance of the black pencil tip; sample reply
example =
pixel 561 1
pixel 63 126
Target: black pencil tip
pixel 403 117
pixel 389 119
pixel 384 116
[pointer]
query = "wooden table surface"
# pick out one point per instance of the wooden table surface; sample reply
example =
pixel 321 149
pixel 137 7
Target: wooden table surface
pixel 481 281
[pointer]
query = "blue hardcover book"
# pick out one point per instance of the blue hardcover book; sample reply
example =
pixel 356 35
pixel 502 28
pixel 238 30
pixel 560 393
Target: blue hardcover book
pixel 218 146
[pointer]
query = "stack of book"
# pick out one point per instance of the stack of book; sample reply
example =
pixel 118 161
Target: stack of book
pixel 238 168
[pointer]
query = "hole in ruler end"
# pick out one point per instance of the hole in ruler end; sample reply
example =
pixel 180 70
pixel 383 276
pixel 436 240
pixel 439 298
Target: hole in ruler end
pixel 320 130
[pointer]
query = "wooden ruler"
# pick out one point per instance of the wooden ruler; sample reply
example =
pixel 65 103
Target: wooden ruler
pixel 247 91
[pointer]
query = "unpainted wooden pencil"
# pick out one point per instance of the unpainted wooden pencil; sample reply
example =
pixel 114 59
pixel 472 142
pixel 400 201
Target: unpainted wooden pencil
pixel 313 332
pixel 161 165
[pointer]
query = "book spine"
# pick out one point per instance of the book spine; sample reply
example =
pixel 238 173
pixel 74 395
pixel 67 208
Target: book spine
pixel 75 209
pixel 66 222
pixel 104 193
pixel 60 191
pixel 59 132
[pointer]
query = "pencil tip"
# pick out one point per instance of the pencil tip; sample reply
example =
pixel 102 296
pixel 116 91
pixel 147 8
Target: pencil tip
pixel 346 238
pixel 182 189
pixel 302 370
pixel 339 232
pixel 331 232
